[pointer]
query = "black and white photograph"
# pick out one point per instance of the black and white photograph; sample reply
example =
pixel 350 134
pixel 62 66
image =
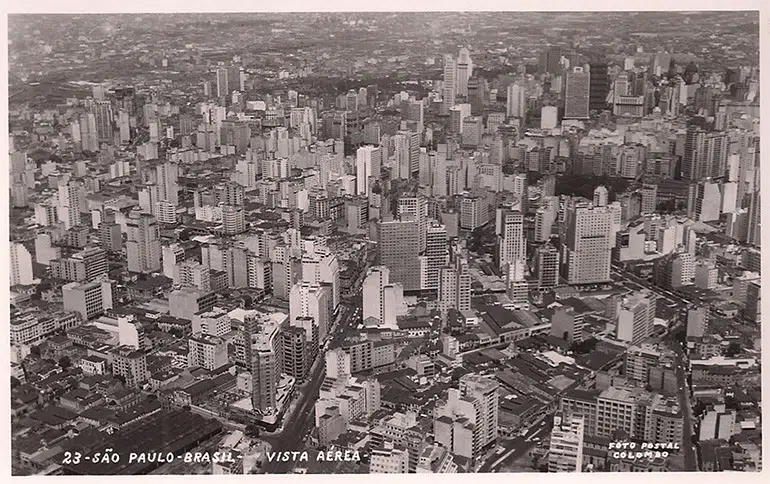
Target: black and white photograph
pixel 384 242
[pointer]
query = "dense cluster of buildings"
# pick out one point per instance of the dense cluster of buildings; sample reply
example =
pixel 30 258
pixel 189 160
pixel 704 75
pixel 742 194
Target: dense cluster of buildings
pixel 555 260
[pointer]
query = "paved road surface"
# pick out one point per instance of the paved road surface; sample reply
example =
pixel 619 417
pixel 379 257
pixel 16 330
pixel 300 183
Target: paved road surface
pixel 303 419
pixel 518 446
pixel 690 458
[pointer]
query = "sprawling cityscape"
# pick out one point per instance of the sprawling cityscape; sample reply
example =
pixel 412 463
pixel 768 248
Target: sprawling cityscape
pixel 424 242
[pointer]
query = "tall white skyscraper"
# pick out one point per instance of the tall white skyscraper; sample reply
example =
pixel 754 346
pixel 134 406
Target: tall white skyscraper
pixel 143 245
pixel 309 300
pixel 464 71
pixel 168 187
pixel 587 252
pixel 382 300
pixel 516 104
pixel 636 317
pixel 512 247
pixel 320 266
pixel 435 257
pixel 71 203
pixel 601 196
pixel 450 83
pixel 454 290
pixel 222 82
pixel 368 160
pixel 468 421
pixel 21 265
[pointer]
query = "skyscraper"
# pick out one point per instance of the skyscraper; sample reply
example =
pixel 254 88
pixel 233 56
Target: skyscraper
pixel 382 299
pixel 457 115
pixel 102 111
pixel 455 287
pixel 468 421
pixel 71 203
pixel 400 251
pixel 550 60
pixel 600 86
pixel 511 245
pixel 694 153
pixel 143 246
pixel 547 266
pixel 415 208
pixel 168 187
pixel 368 161
pixel 450 84
pixel 414 112
pixel 577 94
pixel 21 265
pixel 601 196
pixel 478 92
pixel 262 342
pixel 516 104
pixel 435 257
pixel 464 71
pixel 587 252
pixel 636 317
pixel 222 82
pixel 308 300
pixel 87 133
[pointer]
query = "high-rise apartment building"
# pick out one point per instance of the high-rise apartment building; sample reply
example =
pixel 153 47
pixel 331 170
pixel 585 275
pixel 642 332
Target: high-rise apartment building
pixel 308 300
pixel 368 163
pixel 222 82
pixel 110 237
pixel 131 365
pixel 464 71
pixel 566 449
pixel 435 257
pixel 511 245
pixel 547 266
pixel 601 196
pixel 21 265
pixel 383 300
pixel 262 338
pixel 588 244
pixel 143 246
pixel 450 84
pixel 191 273
pixel 468 421
pixel 636 317
pixel 455 287
pixel 102 111
pixel 697 322
pixel 415 112
pixel 577 94
pixel 516 104
pixel 400 251
pixel 168 187
pixel 415 208
pixel 86 265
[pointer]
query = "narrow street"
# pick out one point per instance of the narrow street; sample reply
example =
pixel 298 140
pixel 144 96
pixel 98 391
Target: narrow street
pixel 517 446
pixel 690 457
pixel 302 419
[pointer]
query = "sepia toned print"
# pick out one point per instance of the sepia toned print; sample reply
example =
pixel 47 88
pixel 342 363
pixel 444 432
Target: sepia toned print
pixel 352 243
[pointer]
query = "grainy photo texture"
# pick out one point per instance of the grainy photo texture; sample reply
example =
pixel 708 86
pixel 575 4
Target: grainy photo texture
pixel 360 243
